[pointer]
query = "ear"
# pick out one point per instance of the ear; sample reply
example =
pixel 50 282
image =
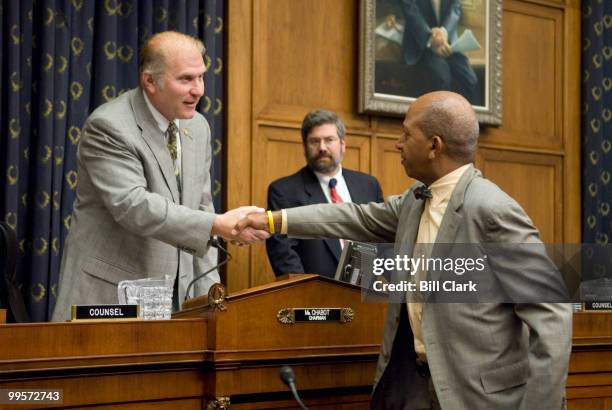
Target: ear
pixel 148 82
pixel 437 144
pixel 342 145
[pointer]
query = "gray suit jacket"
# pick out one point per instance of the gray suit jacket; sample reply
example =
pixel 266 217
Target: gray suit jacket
pixel 129 221
pixel 481 355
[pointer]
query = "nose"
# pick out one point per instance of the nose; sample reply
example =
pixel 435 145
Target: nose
pixel 198 88
pixel 322 147
pixel 399 145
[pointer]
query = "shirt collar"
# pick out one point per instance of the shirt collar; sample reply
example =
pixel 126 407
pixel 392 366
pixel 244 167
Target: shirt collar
pixel 324 179
pixel 162 122
pixel 442 188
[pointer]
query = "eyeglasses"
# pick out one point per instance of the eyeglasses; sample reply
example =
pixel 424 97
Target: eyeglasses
pixel 315 142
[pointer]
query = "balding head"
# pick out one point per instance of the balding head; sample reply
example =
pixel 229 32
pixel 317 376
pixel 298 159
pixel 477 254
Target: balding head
pixel 451 117
pixel 158 48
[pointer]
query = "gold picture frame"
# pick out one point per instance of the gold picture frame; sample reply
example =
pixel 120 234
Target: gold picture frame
pixel 395 66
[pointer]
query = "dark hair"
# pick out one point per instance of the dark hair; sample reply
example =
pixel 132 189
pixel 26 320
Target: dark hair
pixel 319 117
pixel 457 126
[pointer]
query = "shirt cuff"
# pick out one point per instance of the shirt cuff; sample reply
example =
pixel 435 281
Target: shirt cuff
pixel 283 229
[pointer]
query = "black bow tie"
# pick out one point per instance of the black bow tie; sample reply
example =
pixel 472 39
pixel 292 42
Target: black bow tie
pixel 422 192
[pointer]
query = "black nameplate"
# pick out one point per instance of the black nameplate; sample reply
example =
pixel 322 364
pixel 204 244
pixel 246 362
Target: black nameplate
pixel 317 314
pixel 104 312
pixel 598 305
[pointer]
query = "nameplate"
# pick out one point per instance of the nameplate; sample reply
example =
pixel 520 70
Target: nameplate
pixel 315 315
pixel 104 312
pixel 598 306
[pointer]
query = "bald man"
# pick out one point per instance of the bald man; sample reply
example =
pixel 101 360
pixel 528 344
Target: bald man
pixel 493 355
pixel 143 205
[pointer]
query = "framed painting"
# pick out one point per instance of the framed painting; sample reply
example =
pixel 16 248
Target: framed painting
pixel 411 47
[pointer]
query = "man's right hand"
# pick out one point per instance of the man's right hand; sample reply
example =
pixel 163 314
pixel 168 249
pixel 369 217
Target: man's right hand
pixel 224 223
pixel 439 42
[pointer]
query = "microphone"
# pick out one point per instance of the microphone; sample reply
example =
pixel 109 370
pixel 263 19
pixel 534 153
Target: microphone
pixel 288 377
pixel 214 242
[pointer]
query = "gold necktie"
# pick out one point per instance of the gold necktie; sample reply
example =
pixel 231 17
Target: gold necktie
pixel 172 133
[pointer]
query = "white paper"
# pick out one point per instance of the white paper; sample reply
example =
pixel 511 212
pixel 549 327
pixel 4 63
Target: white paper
pixel 466 42
pixel 395 33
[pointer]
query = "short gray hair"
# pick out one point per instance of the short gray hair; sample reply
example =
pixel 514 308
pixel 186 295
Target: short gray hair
pixel 156 49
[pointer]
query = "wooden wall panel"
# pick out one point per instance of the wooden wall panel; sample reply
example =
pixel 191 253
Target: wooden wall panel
pixel 515 173
pixel 590 404
pixel 532 71
pixel 305 54
pixel 298 55
pixel 390 171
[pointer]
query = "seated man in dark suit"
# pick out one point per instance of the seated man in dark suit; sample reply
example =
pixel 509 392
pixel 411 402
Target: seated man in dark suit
pixel 431 27
pixel 322 180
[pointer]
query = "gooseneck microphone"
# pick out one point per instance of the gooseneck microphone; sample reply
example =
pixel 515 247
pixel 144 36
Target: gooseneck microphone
pixel 288 377
pixel 214 242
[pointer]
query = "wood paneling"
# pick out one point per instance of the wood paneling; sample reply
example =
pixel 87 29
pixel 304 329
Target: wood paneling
pixel 298 55
pixel 515 172
pixel 532 72
pixel 239 127
pixel 390 171
pixel 185 363
pixel 304 56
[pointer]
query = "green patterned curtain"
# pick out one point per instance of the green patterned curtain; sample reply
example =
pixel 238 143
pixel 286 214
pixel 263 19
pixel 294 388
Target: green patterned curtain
pixel 60 60
pixel 597 121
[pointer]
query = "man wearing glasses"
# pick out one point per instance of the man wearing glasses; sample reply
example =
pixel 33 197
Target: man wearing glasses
pixel 322 180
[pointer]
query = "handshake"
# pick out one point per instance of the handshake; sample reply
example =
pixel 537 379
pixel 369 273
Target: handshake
pixel 244 226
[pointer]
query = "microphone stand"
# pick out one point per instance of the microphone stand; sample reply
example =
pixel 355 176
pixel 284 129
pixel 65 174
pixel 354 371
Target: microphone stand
pixel 288 377
pixel 214 242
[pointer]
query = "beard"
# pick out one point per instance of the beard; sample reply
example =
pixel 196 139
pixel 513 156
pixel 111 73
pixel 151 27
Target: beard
pixel 323 164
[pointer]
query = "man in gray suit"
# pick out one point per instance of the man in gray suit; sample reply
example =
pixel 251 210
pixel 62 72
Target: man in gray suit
pixel 454 355
pixel 144 206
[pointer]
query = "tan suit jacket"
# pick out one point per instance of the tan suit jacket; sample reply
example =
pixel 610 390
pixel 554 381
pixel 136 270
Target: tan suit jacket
pixel 481 355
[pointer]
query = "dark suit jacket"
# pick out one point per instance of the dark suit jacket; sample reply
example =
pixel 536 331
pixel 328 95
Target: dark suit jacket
pixel 420 18
pixel 302 188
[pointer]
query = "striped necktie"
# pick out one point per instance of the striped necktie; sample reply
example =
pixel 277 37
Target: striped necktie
pixel 173 133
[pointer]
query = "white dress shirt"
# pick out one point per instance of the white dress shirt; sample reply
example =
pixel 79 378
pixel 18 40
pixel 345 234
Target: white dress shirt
pixel 341 187
pixel 431 218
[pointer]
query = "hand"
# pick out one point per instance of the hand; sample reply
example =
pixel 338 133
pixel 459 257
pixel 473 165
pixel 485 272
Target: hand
pixel 390 22
pixel 439 36
pixel 249 236
pixel 439 42
pixel 443 51
pixel 257 221
pixel 223 224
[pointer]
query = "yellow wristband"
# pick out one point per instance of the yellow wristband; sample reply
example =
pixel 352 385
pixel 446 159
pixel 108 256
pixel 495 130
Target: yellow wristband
pixel 270 222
